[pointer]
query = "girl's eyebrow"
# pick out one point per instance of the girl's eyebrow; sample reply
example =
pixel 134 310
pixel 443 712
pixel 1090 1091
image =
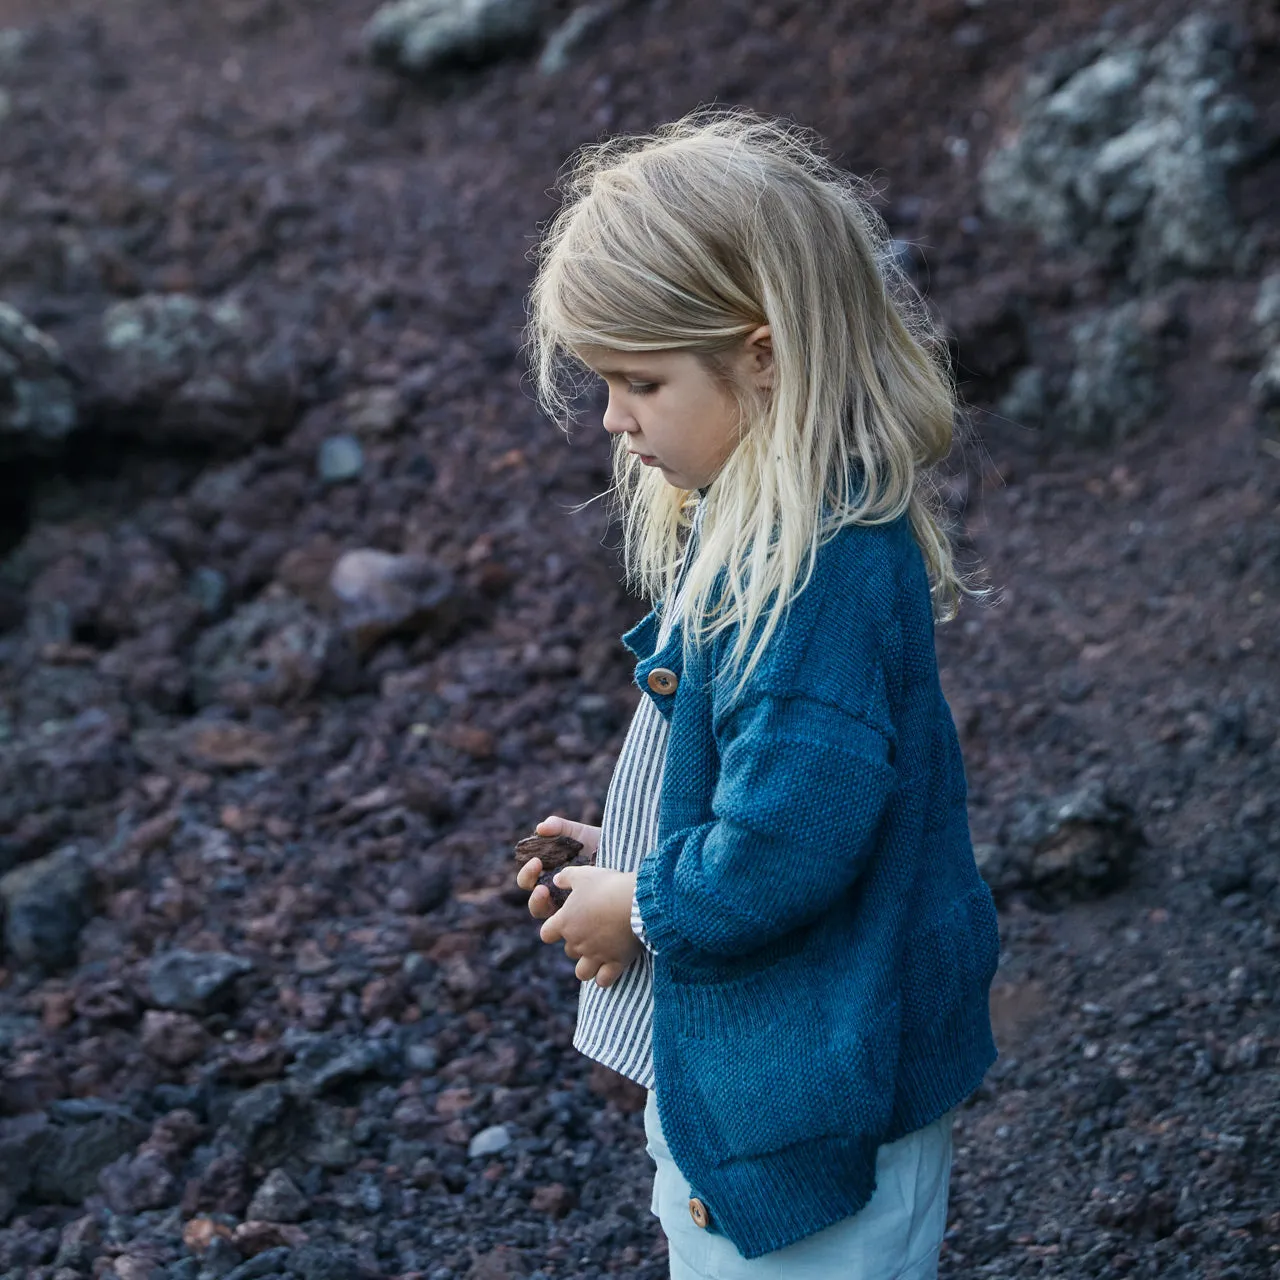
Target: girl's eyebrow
pixel 635 373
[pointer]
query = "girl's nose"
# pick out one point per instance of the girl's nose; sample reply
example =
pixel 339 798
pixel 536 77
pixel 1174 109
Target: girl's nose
pixel 616 418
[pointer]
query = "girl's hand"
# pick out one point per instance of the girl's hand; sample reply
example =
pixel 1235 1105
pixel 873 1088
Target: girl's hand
pixel 595 922
pixel 540 904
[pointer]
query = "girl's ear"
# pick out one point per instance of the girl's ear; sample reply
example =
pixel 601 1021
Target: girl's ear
pixel 759 356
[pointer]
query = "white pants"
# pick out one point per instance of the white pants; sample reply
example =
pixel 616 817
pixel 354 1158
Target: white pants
pixel 896 1235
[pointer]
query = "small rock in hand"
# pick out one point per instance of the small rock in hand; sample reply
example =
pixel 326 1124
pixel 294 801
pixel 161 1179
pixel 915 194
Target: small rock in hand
pixel 555 852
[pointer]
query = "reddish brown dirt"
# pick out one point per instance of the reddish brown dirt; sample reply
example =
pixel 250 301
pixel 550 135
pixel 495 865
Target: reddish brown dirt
pixel 358 852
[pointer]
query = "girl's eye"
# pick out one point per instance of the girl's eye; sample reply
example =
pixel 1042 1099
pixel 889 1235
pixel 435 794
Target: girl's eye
pixel 642 388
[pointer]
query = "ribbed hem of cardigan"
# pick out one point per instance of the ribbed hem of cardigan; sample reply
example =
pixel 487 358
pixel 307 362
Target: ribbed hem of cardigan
pixel 939 1071
pixel 771 1201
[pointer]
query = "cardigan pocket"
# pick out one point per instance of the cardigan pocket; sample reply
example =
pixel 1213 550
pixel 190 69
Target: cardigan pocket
pixel 766 1069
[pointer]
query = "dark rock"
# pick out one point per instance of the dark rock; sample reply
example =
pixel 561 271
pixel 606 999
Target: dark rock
pixel 328 1063
pixel 1110 384
pixel 77 761
pixel 83 1137
pixel 1114 386
pixel 264 1264
pixel 46 904
pixel 1079 845
pixel 269 1125
pixel 78 1243
pixel 220 1259
pixel 172 1038
pixel 553 852
pixel 194 981
pixel 272 650
pixel 316 1262
pixel 134 1184
pixel 582 24
pixel 23 1140
pixel 278 1199
pixel 37 399
pixel 222 1186
pixel 1265 387
pixel 987 328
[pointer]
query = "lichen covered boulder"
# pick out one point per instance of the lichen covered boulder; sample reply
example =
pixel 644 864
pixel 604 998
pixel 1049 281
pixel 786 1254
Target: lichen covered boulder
pixel 170 367
pixel 420 36
pixel 1125 148
pixel 1110 385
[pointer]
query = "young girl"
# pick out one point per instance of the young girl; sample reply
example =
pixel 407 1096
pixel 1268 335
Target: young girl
pixel 785 936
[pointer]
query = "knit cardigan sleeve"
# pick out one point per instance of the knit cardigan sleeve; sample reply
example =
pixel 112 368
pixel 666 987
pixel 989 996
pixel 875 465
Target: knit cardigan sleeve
pixel 801 791
pixel 637 927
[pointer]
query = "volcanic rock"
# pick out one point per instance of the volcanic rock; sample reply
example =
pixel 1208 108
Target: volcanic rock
pixel 554 852
pixel 45 908
pixel 178 368
pixel 1078 845
pixel 1125 148
pixel 37 400
pixel 278 1199
pixel 421 36
pixel 271 650
pixel 193 981
pixel 379 594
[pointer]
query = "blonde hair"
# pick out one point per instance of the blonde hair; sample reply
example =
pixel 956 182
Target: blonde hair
pixel 689 239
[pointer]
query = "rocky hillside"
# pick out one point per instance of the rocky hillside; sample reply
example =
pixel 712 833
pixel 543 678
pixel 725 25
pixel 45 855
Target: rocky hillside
pixel 301 630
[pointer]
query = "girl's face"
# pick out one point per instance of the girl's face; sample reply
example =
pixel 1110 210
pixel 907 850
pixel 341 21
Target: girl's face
pixel 675 414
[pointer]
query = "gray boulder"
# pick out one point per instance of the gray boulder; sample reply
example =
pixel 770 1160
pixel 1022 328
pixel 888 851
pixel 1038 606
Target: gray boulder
pixel 37 400
pixel 420 36
pixel 45 907
pixel 1125 148
pixel 174 367
pixel 379 594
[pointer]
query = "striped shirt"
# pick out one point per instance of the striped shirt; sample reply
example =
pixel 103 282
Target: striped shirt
pixel 615 1023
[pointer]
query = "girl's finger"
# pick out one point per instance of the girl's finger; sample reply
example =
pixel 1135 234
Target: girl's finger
pixel 586 968
pixel 552 826
pixel 527 876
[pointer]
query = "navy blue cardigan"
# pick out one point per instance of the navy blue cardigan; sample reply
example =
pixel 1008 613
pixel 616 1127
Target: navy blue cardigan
pixel 825 944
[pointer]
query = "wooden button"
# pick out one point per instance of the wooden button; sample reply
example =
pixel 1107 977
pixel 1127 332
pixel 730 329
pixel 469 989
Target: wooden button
pixel 698 1212
pixel 663 681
